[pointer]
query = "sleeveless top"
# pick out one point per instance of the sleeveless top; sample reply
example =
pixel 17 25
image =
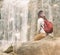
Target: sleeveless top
pixel 40 25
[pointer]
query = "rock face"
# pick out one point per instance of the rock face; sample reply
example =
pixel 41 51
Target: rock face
pixel 42 47
pixel 1 53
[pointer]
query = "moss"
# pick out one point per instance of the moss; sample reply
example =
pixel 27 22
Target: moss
pixel 9 50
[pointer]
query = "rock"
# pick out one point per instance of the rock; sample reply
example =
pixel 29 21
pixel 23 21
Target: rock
pixel 42 47
pixel 1 53
pixel 7 48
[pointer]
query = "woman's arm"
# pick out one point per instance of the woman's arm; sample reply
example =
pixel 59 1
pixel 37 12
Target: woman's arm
pixel 38 26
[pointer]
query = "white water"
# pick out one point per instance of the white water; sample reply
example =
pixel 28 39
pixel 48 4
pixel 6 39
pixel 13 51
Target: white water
pixel 15 15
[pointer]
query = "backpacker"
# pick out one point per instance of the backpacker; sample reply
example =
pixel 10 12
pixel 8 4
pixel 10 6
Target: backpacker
pixel 48 26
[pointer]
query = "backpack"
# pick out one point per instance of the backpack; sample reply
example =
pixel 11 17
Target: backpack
pixel 48 26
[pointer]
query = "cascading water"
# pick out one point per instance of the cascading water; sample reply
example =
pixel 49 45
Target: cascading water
pixel 15 15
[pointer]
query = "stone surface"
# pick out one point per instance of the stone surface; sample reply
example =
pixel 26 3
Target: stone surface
pixel 42 47
pixel 7 48
pixel 1 53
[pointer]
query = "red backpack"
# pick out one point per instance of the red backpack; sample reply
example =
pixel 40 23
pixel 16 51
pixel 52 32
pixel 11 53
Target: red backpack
pixel 48 26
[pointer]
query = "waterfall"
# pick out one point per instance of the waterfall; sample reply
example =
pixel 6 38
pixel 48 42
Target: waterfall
pixel 15 15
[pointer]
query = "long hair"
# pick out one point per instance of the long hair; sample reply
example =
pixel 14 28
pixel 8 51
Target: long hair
pixel 39 15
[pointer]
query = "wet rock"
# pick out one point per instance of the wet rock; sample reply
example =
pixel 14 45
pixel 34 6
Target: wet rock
pixel 1 53
pixel 9 49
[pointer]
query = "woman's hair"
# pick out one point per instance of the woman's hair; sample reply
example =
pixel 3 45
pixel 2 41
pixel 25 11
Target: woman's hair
pixel 40 13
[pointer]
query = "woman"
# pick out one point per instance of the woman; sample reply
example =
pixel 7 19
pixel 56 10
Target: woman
pixel 40 26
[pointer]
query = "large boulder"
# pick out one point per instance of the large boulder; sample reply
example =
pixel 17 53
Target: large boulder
pixel 42 47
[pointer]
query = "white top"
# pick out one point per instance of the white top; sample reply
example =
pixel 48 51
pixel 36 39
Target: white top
pixel 40 25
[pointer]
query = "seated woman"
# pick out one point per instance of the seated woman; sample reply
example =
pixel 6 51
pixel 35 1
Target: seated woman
pixel 44 27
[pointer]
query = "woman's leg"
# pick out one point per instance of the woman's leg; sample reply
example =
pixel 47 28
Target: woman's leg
pixel 39 36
